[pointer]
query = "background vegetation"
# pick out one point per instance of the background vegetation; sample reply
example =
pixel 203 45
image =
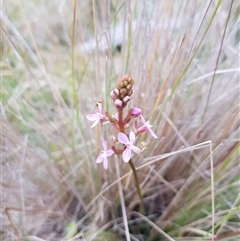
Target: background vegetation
pixel 183 56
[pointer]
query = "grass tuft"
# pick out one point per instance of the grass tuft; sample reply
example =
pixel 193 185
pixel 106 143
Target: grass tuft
pixel 58 59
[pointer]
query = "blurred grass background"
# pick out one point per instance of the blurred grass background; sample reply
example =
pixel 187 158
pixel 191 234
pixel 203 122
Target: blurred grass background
pixel 184 58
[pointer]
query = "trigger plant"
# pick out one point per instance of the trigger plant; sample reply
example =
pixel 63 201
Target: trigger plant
pixel 125 132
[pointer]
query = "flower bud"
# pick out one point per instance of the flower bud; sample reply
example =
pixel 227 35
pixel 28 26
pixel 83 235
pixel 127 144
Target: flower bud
pixel 135 112
pixel 126 99
pixel 120 84
pixel 116 91
pixel 130 92
pixel 113 95
pixel 123 92
pixel 129 86
pixel 118 103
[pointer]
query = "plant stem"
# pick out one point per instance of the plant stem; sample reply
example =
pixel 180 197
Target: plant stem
pixel 121 125
pixel 75 100
pixel 137 184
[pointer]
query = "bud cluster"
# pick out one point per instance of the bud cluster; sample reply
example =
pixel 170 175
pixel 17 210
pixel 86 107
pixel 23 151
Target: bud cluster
pixel 124 89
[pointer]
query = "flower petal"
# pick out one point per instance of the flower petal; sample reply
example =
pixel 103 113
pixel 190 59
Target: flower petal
pixel 92 117
pixel 122 138
pixel 152 133
pixel 105 163
pixel 132 137
pixel 95 123
pixel 135 149
pixel 142 119
pixel 104 144
pixel 148 125
pixel 100 158
pixel 126 155
pixel 109 152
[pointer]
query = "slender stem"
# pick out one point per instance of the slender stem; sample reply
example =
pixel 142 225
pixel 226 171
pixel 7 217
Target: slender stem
pixel 75 100
pixel 137 184
pixel 121 125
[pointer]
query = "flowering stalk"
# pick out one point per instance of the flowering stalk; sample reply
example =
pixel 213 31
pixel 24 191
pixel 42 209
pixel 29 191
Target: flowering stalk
pixel 121 96
pixel 136 183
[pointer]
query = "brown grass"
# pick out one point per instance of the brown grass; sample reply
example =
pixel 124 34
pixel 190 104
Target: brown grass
pixel 184 60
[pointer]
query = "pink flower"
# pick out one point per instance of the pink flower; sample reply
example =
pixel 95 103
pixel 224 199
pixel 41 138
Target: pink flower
pixel 104 155
pixel 122 138
pixel 146 127
pixel 98 116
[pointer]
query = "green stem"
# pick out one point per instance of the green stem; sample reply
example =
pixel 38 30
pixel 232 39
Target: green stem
pixel 137 184
pixel 75 101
